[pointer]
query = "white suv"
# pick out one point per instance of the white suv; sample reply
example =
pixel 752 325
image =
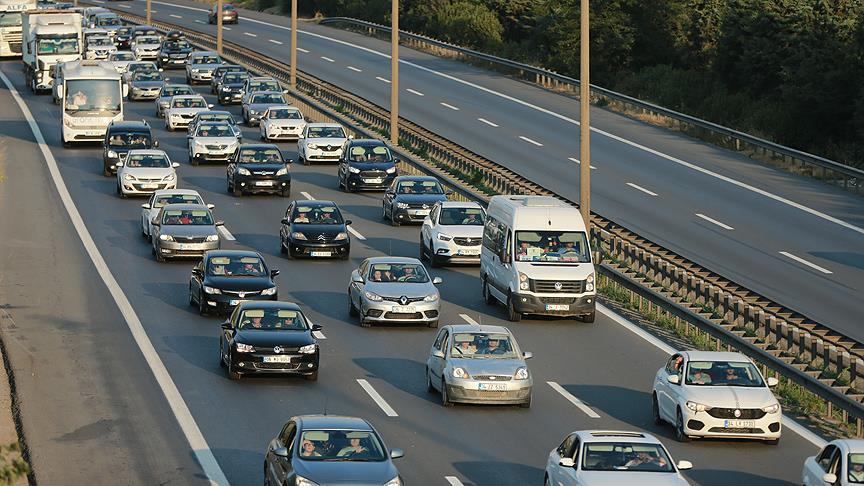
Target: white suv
pixel 452 233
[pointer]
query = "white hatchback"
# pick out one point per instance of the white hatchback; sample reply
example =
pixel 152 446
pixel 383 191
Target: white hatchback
pixel 281 123
pixel 321 142
pixel 182 109
pixel 145 172
pixel 840 462
pixel 453 233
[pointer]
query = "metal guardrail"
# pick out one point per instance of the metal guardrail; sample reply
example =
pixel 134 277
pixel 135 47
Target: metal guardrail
pixel 774 336
pixel 786 158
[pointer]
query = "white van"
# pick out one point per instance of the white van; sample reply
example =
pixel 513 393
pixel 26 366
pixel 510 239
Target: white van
pixel 536 258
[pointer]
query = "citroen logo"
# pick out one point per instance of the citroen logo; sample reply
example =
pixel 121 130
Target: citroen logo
pixel 403 300
pixel 737 413
pixel 321 238
pixel 558 286
pixel 277 349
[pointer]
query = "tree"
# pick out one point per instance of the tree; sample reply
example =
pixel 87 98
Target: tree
pixel 466 23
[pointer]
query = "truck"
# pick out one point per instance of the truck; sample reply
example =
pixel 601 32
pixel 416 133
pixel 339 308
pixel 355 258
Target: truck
pixel 10 25
pixel 92 95
pixel 49 36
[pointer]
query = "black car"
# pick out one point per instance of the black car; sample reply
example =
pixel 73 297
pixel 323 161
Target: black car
pixel 216 80
pixel 269 337
pixel 410 198
pixel 231 87
pixel 223 278
pixel 120 138
pixel 259 168
pixel 173 53
pixel 366 165
pixel 123 38
pixel 316 229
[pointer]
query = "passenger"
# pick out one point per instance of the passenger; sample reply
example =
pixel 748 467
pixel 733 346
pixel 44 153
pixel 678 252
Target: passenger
pixel 308 449
pixel 465 348
pixel 470 219
pixel 272 157
pixel 701 377
pixel 118 141
pixel 732 377
pixel 492 347
pixel 389 276
pixel 377 276
pixel 856 472
pixel 250 269
pixel 354 448
pixel 406 189
pixel 217 269
pixel 301 218
pixel 522 251
pixel 79 98
pixel 185 218
pixel 326 218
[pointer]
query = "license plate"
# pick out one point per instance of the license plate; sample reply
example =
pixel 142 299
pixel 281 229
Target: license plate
pixel 321 253
pixel 557 307
pixel 373 181
pixel 403 309
pixel 149 186
pixel 277 359
pixel 264 183
pixel 492 387
pixel 739 424
pixel 92 133
pixel 184 246
pixel 421 212
pixel 467 252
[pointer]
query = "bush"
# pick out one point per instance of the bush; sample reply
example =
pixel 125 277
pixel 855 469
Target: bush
pixel 466 24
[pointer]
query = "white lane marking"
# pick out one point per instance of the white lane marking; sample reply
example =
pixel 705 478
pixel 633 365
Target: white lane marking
pixel 181 412
pixel 128 6
pixel 483 120
pixel 573 159
pixel 358 70
pixel 196 20
pixel 377 398
pixel 250 34
pixel 533 142
pixel 175 16
pixel 225 233
pixel 278 43
pixel 805 262
pixel 712 220
pixel 665 348
pixel 385 80
pixel 640 188
pixel 98 1
pixel 153 11
pixel 414 91
pixel 299 48
pixel 572 399
pixel 307 195
pixel 469 320
pixel 355 233
pixel 453 480
pixel 446 105
pixel 226 28
pixel 327 59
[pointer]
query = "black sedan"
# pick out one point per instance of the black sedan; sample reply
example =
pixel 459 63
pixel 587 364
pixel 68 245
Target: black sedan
pixel 231 87
pixel 123 38
pixel 366 165
pixel 224 278
pixel 174 53
pixel 410 199
pixel 315 229
pixel 259 168
pixel 216 80
pixel 269 337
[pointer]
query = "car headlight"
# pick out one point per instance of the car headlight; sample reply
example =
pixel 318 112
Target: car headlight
pixel 301 481
pixel 196 71
pixel 128 177
pixel 373 296
pixel 394 482
pixel 212 290
pixel 312 145
pixel 282 171
pixel 523 281
pixel 112 154
pixel 270 291
pixel 391 170
pixel 163 104
pixel 459 372
pixel 298 235
pixel 697 407
pixel 166 237
pixel 169 178
pixel 212 237
pixel 589 283
pixel 353 170
pixel 521 373
pixel 243 171
pixel 308 349
pixel 402 205
pixel 431 298
pixel 443 237
pixel 244 348
pixel 341 236
pixel 771 408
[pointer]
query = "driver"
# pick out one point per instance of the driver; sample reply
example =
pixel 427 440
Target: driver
pixel 353 448
pixel 492 347
pixel 408 275
pixel 79 98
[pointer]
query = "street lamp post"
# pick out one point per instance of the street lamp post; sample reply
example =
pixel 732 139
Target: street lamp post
pixel 218 26
pixel 293 78
pixel 394 74
pixel 585 122
pixel 148 12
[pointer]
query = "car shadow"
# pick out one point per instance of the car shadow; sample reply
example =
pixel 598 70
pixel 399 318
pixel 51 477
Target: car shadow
pixel 333 305
pixel 480 473
pixel 171 293
pixel 199 351
pixel 722 477
pixel 404 374
pixel 262 242
pixel 208 183
pixel 620 404
pixel 847 258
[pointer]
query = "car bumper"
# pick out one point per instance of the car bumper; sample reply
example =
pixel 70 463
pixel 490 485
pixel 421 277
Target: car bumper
pixel 701 424
pixel 143 94
pixel 383 312
pixel 172 249
pixel 212 156
pixel 410 215
pixel 201 76
pixel 179 122
pixel 469 391
pixel 249 184
pixel 323 156
pixel 300 364
pixel 449 252
pixel 283 134
pixel 357 183
pixel 172 63
pixel 319 250
pixel 133 188
pixel 93 134
pixel 225 303
pixel 144 55
pixel 555 305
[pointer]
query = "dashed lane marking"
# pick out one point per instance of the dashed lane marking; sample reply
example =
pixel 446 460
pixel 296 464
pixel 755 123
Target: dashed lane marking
pixel 572 399
pixel 379 400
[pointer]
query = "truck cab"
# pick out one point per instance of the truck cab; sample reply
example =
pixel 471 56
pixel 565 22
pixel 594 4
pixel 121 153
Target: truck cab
pixel 49 37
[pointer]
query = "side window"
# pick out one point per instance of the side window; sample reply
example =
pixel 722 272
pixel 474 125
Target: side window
pixel 434 215
pixel 441 339
pixel 674 365
pixel 490 235
pixel 200 265
pixel 289 210
pixel 566 445
pixel 287 435
pixel 826 457
pixel 363 267
pixel 501 237
pixel 445 338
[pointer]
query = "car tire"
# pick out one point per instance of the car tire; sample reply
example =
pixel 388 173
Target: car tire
pixel 680 436
pixel 282 248
pixel 526 403
pixel 159 257
pixel 237 191
pixel 773 442
pixel 286 192
pixel 434 262
pixel 430 388
pixel 488 298
pixel 422 248
pixel 232 374
pixel 121 193
pixel 192 160
pixel 221 355
pixel 303 160
pixel 393 220
pixel 445 399
pixel 655 410
pixel 106 172
pixel 512 314
pixel 352 309
pixel 589 318
pixel 363 321
pixel 312 376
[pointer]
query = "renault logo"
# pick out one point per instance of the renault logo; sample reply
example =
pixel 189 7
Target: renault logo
pixel 321 238
pixel 737 413
pixel 241 294
pixel 403 300
pixel 277 349
pixel 558 286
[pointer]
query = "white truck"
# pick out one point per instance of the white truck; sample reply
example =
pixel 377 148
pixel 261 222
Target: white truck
pixel 49 36
pixel 10 25
pixel 92 94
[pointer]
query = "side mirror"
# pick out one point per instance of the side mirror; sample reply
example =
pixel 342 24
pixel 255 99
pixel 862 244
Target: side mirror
pixel 274 272
pixel 356 278
pixel 438 353
pixel 286 91
pixel 145 206
pixel 597 257
pixel 684 465
pixel 280 451
pixel 301 136
pixel 448 193
pixel 772 381
pixel 437 281
pixel 226 325
pixel 155 223
pixel 196 271
pixel 155 143
pixel 175 164
pixel 396 453
pixel 211 206
pixel 220 223
pixel 566 462
pixel 829 478
pixel 125 90
pixel 347 222
pixel 60 91
pixel 674 379
pixel 118 164
pixel 286 221
pixel 317 327
pixel 160 70
pixel 210 105
pixel 527 355
pixel 350 137
pixel 289 161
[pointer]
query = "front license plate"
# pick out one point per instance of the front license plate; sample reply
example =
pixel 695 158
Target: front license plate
pixel 373 181
pixel 421 212
pixel 467 252
pixel 92 133
pixel 149 186
pixel 277 359
pixel 403 309
pixel 557 307
pixel 264 183
pixel 739 424
pixel 492 387
pixel 321 253
pixel 186 247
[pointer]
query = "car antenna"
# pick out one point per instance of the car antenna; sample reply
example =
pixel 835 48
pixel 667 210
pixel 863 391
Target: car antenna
pixel 325 405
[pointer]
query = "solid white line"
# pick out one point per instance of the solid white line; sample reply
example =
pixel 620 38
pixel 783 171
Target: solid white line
pixel 275 41
pixel 445 105
pixel 194 437
pixel 805 262
pixel 225 233
pixel 98 1
pixel 379 78
pixel 468 319
pixel 377 398
pixel 453 480
pixel 307 195
pixel 534 142
pixel 488 122
pixel 327 59
pixel 174 16
pixel 129 6
pixel 355 69
pixel 712 220
pixel 572 399
pixel 250 34
pixel 196 20
pixel 355 233
pixel 640 188
pixel 414 91
pixel 226 28
pixel 573 159
pixel 299 48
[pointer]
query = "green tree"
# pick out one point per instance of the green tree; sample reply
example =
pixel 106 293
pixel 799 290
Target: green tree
pixel 467 23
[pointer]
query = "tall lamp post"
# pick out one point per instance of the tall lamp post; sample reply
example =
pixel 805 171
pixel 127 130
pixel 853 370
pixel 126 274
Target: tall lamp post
pixel 293 77
pixel 148 11
pixel 218 26
pixel 585 122
pixel 394 73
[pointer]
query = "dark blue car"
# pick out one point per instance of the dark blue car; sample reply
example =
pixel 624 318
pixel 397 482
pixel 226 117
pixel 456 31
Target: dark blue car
pixel 366 165
pixel 410 198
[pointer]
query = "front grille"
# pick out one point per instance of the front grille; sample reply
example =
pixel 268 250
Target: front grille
pixel 216 147
pixel 408 299
pixel 186 117
pixel 373 174
pixel 467 241
pixel 329 148
pixel 264 173
pixel 741 430
pixel 190 239
pixel 551 286
pixel 403 315
pixel 493 377
pixel 487 394
pixel 418 206
pixel 558 300
pixel 729 413
pixel 178 56
pixel 248 293
pixel 276 366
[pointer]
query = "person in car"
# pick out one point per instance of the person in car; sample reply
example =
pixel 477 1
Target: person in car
pixel 470 219
pixel 492 347
pixel 217 269
pixel 353 449
pixel 408 275
pixel 701 377
pixel 856 472
pixel 465 348
pixel 308 449
pixel 733 378
pixel 255 322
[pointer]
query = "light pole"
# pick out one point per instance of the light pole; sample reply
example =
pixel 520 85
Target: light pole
pixel 293 77
pixel 584 122
pixel 148 11
pixel 394 73
pixel 218 26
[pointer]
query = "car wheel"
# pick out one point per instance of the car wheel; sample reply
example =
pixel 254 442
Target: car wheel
pixel 512 314
pixel 488 298
pixel 383 212
pixel 232 373
pixel 159 257
pixel 286 192
pixel 282 248
pixel 202 307
pixel 144 232
pixel 192 160
pixel 589 318
pixel 221 354
pixel 121 193
pixel 303 161
pixel 291 254
pixel 680 436
pixel 434 262
pixel 106 172
pixel 422 249
pixel 352 309
pixel 445 399
pixel 429 387
pixel 312 376
pixel 363 321
pixel 526 403
pixel 393 220
pixel 655 410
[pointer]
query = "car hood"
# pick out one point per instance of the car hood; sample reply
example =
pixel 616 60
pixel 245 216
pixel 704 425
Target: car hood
pixel 317 229
pixel 730 396
pixel 264 167
pixel 188 230
pixel 484 366
pixel 176 51
pixel 146 84
pixel 462 231
pixel 332 142
pixel 372 165
pixel 429 199
pixel 287 123
pixel 186 111
pixel 616 478
pixel 238 283
pixel 260 107
pixel 149 172
pixel 354 473
pixel 398 289
pixel 148 47
pixel 207 67
pixel 233 85
pixel 553 271
pixel 273 337
pixel 216 140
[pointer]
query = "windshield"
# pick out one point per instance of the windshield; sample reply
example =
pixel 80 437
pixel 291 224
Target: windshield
pixel 272 319
pixel 148 161
pixel 146 39
pixel 552 246
pixel 316 215
pixel 147 76
pixel 325 132
pixel 139 31
pixel 285 114
pixel 108 21
pixel 176 90
pixel 264 86
pixel 129 140
pixel 341 445
pixel 177 199
pixel 419 187
pixel 187 217
pixel 93 95
pixel 124 31
pixel 122 56
pixel 10 19
pixel 234 78
pixel 177 45
pixel 260 156
pixel 376 153
pixel 99 41
pixel 856 468
pixel 481 345
pixel 220 117
pixel 723 373
pixel 189 103
pixel 625 456
pixel 267 98
pixel 221 130
pixel 462 217
pixel 142 67
pixel 57 46
pixel 206 60
pixel 236 266
pixel 398 272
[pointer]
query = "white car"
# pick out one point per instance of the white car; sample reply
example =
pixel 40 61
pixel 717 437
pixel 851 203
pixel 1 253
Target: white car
pixel 840 463
pixel 453 233
pixel 145 172
pixel 182 109
pixel 151 208
pixel 606 457
pixel 201 65
pixel 146 46
pixel 99 47
pixel 121 60
pixel 281 122
pixel 212 141
pixel 716 394
pixel 321 142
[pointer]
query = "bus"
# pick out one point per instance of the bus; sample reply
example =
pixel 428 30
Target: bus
pixel 92 95
pixel 10 25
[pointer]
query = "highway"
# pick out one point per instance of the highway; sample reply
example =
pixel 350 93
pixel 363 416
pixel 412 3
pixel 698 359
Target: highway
pixel 605 365
pixel 791 239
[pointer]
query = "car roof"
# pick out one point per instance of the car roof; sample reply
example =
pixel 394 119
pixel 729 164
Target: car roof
pixel 166 192
pixel 854 446
pixel 129 126
pixel 267 304
pixel 367 142
pixel 715 356
pixel 216 122
pixel 417 178
pixel 316 203
pixel 147 152
pixel 460 204
pixel 196 96
pixel 233 253
pixel 204 53
pixel 269 91
pixel 393 259
pixel 185 206
pixel 613 435
pixel 332 422
pixel 282 107
pixel 258 146
pixel 214 112
pixel 471 328
pixel 262 78
pixel 324 124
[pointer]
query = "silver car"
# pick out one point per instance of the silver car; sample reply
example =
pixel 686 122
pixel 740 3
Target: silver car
pixel 200 66
pixel 212 141
pixel 321 142
pixel 168 91
pixel 184 230
pixel 146 46
pixel 394 289
pixel 182 109
pixel 151 208
pixel 478 364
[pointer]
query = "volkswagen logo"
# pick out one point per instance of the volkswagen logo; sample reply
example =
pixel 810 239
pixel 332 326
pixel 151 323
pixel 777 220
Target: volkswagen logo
pixel 558 286
pixel 403 300
pixel 425 206
pixel 737 413
pixel 321 237
pixel 277 349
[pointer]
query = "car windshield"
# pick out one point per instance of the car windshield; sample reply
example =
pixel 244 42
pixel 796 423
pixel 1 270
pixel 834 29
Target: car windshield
pixel 325 132
pixel 482 345
pixel 398 272
pixel 236 266
pixel 234 78
pixel 147 76
pixel 187 217
pixel 369 153
pixel 142 67
pixel 176 199
pixel 285 114
pixel 139 31
pixel 189 103
pixel 107 21
pixel 264 86
pixel 267 98
pixel 57 46
pixel 132 140
pixel 93 95
pixel 419 187
pixel 177 45
pixel 552 246
pixel 147 39
pixel 206 60
pixel 220 117
pixel 148 161
pixel 272 319
pixel 122 56
pixel 99 41
pixel 10 19
pixel 625 456
pixel 260 156
pixel 462 217
pixel 221 130
pixel 177 90
pixel 341 445
pixel 316 215
pixel 856 468
pixel 124 31
pixel 723 373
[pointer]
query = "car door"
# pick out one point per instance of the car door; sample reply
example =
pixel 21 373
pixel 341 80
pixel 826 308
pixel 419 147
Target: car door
pixel 280 466
pixel 826 462
pixel 196 281
pixel 569 476
pixel 145 214
pixel 389 197
pixel 667 393
pixel 437 364
pixel 554 469
pixel 429 223
pixel 285 229
pixel 355 289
